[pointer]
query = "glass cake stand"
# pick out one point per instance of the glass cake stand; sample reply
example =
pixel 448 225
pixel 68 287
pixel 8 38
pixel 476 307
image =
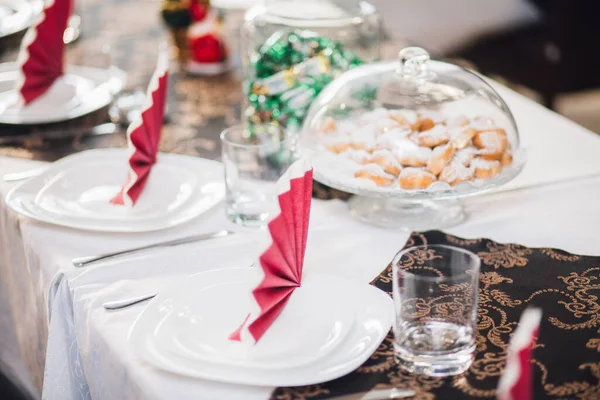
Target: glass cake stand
pixel 416 210
pixel 390 110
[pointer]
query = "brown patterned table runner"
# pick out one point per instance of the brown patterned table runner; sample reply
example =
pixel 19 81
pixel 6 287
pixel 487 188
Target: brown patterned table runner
pixel 566 358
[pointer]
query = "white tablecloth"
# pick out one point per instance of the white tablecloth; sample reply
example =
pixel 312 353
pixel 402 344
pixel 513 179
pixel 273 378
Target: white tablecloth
pixel 87 353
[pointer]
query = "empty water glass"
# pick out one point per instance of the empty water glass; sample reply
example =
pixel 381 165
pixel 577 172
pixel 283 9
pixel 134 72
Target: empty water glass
pixel 253 164
pixel 435 298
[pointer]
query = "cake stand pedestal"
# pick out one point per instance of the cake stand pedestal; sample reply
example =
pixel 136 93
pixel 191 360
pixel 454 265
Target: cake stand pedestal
pixel 396 213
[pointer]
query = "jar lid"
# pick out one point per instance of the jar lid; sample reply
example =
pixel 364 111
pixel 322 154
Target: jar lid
pixel 312 13
pixel 416 83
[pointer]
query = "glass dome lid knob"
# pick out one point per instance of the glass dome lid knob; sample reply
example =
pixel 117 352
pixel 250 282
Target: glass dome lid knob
pixel 413 62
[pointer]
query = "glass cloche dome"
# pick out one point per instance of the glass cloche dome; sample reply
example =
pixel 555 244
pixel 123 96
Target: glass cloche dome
pixel 410 137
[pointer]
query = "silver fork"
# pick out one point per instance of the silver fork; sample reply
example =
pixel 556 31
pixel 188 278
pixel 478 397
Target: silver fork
pixel 120 304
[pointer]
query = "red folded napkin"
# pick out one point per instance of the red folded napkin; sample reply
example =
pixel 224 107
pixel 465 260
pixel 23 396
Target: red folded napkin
pixel 41 58
pixel 143 136
pixel 283 261
pixel 516 380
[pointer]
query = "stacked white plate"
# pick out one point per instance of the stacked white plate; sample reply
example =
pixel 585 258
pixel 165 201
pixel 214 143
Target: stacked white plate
pixel 76 191
pixel 81 91
pixel 329 327
pixel 18 15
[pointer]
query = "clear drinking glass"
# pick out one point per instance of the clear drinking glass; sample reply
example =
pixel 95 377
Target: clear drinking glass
pixel 435 298
pixel 253 164
pixel 139 67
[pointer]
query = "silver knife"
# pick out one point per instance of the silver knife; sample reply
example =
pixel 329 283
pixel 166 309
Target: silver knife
pixel 19 176
pixel 84 261
pixel 378 394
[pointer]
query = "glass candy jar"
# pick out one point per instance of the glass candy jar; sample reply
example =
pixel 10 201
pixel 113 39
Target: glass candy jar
pixel 409 138
pixel 292 49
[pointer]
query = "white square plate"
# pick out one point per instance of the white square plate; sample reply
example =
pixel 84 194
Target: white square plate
pixel 76 191
pixel 329 327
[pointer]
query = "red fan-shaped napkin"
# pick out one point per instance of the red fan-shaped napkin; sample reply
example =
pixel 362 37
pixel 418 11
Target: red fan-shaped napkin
pixel 283 261
pixel 41 58
pixel 516 380
pixel 143 136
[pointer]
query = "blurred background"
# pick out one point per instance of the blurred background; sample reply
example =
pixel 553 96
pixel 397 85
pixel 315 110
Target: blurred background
pixel 544 49
pixel 541 48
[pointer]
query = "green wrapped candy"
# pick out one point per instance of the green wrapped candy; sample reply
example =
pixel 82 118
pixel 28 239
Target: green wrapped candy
pixel 291 69
pixel 299 100
pixel 284 80
pixel 293 124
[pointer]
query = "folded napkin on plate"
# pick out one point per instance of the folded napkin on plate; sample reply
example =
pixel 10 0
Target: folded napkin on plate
pixel 516 382
pixel 41 58
pixel 283 261
pixel 143 136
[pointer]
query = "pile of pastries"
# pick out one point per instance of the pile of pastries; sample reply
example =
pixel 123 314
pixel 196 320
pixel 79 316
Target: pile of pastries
pixel 414 149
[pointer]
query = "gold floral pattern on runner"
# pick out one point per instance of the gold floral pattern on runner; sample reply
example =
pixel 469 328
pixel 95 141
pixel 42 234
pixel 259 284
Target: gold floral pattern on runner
pixel 582 389
pixel 304 392
pixel 566 288
pixel 581 299
pixel 461 242
pixel 504 255
pixel 559 255
pixel 383 357
pixel 593 344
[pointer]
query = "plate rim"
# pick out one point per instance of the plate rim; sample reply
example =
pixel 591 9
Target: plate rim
pixel 321 374
pixel 194 282
pixel 99 97
pixel 34 9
